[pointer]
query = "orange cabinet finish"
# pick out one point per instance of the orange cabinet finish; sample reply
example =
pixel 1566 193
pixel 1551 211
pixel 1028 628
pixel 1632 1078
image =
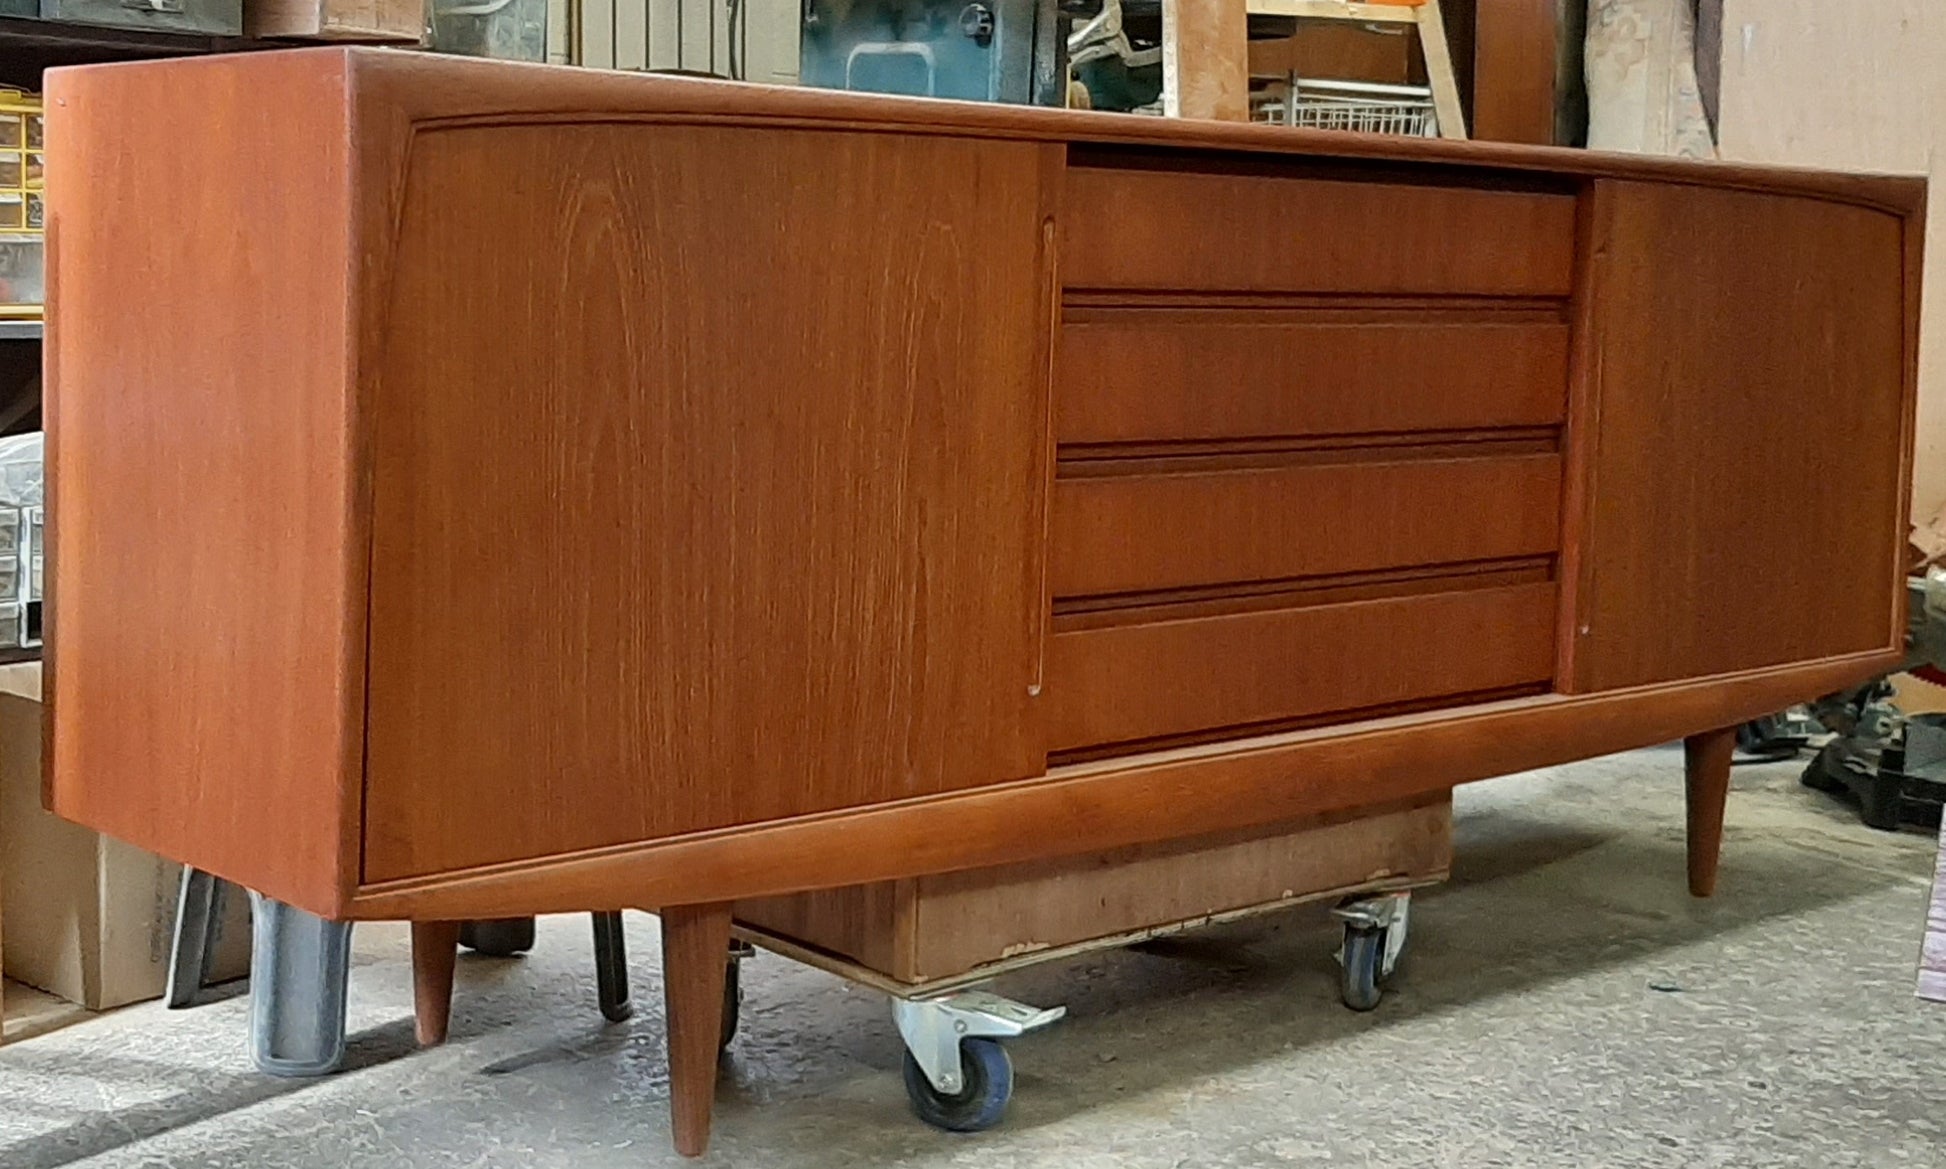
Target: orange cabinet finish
pixel 505 490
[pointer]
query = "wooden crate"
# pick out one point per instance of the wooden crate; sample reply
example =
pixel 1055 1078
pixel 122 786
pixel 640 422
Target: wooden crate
pixel 944 927
pixel 389 21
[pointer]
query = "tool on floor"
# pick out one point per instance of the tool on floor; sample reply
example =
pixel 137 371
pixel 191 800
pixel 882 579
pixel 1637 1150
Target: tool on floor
pixel 1891 763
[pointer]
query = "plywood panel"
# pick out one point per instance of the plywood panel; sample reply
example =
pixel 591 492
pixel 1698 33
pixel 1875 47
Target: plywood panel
pixel 770 40
pixel 1178 230
pixel 625 541
pixel 1513 71
pixel 1719 425
pixel 870 924
pixel 1205 60
pixel 1134 375
pixel 596 24
pixel 696 22
pixel 1130 682
pixel 631 34
pixel 665 41
pixel 970 919
pixel 1808 83
pixel 946 925
pixel 1165 528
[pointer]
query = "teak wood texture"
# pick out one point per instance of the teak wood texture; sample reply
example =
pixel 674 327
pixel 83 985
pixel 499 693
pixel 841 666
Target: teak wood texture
pixel 527 489
pixel 1515 47
pixel 724 545
pixel 1684 369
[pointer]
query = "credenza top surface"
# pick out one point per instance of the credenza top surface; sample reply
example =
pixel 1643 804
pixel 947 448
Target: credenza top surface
pixel 428 87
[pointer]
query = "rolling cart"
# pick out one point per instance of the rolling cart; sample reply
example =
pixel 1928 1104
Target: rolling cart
pixel 931 944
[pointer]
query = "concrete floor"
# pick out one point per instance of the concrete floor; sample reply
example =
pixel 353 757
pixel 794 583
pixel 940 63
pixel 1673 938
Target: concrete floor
pixel 1564 1003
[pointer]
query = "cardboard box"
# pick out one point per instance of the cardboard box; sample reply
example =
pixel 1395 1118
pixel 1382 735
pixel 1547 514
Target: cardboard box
pixel 88 918
pixel 386 21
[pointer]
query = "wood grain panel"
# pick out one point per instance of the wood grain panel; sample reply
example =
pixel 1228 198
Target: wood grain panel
pixel 1149 681
pixel 1178 229
pixel 870 924
pixel 273 667
pixel 205 617
pixel 1514 71
pixel 1114 534
pixel 970 919
pixel 424 86
pixel 1149 375
pixel 1205 60
pixel 652 522
pixel 1183 792
pixel 1750 361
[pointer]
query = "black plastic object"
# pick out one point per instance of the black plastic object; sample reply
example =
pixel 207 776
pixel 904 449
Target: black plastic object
pixel 732 1003
pixel 499 938
pixel 1887 797
pixel 1364 967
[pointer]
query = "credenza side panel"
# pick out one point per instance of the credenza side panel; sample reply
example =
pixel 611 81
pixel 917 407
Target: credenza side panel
pixel 1746 416
pixel 205 628
pixel 710 474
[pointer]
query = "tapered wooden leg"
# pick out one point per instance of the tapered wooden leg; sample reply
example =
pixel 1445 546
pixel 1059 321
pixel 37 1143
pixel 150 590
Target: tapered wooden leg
pixel 435 945
pixel 695 939
pixel 1706 768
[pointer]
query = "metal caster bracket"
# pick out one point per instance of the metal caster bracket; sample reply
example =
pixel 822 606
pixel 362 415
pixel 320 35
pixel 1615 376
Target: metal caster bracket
pixel 199 925
pixel 932 1028
pixel 1384 911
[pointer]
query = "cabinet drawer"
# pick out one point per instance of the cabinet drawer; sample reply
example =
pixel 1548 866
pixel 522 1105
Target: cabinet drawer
pixel 1178 231
pixel 1128 533
pixel 1135 376
pixel 1126 683
pixel 223 18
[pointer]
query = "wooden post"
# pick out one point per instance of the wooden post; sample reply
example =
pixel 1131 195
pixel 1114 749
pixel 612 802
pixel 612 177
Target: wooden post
pixel 1205 60
pixel 1706 771
pixel 435 947
pixel 1439 71
pixel 695 963
pixel 1514 71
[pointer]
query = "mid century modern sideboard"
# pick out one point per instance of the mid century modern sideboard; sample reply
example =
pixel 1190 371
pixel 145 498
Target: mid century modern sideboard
pixel 496 489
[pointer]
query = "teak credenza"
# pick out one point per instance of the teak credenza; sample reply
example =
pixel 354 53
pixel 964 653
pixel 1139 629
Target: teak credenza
pixel 496 489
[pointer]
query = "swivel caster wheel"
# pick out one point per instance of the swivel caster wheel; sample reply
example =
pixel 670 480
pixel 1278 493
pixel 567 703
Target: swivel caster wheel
pixel 1361 981
pixel 500 938
pixel 957 1075
pixel 1375 933
pixel 986 1088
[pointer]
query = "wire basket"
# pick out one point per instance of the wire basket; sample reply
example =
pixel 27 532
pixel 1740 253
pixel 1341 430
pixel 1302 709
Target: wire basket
pixel 1360 106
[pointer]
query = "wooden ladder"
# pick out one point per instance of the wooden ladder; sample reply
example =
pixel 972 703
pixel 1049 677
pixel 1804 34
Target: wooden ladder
pixel 1206 55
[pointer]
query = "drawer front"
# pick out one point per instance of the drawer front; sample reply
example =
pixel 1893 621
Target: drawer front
pixel 1118 533
pixel 222 18
pixel 1159 375
pixel 1126 683
pixel 1174 230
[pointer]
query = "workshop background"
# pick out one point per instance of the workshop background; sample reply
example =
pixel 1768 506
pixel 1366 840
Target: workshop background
pixel 1552 1009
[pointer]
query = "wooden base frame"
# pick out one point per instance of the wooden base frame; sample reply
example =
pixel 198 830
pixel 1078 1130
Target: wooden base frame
pixel 1113 803
pixel 695 937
